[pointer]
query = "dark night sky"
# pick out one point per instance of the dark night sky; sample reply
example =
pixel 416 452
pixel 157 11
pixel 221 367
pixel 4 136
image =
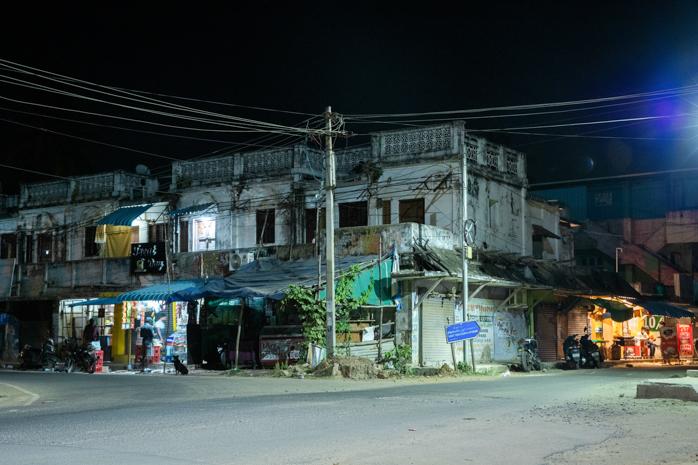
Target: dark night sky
pixel 362 59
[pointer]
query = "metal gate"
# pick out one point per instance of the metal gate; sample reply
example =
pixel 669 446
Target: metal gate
pixel 577 320
pixel 546 332
pixel 436 314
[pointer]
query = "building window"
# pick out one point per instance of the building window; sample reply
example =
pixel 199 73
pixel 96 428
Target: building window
pixel 45 247
pixel 386 212
pixel 8 246
pixel 183 236
pixel 29 248
pixel 91 248
pixel 157 232
pixel 310 220
pixel 266 226
pixel 353 214
pixel 204 234
pixel 412 211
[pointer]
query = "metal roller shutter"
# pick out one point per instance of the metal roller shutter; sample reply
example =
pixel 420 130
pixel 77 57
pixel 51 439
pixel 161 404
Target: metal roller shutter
pixel 546 332
pixel 436 313
pixel 576 321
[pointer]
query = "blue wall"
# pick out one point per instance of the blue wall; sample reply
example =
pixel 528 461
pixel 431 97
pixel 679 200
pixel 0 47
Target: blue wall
pixel 640 198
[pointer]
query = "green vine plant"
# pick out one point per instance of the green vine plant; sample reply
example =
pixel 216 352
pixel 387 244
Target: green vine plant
pixel 312 312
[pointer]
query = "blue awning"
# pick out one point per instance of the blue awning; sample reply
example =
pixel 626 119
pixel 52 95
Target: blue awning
pixel 192 209
pixel 665 309
pixel 100 301
pixel 124 216
pixel 160 292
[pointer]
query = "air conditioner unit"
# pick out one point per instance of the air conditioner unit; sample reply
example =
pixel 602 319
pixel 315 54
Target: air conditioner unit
pixel 236 260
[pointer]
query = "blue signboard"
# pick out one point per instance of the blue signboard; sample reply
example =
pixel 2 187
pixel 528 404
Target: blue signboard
pixel 461 331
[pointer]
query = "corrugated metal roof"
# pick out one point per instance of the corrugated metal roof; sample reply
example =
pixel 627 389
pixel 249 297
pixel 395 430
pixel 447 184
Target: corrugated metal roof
pixel 124 216
pixel 160 292
pixel 192 209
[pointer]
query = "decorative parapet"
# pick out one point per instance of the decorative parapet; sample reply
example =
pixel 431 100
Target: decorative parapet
pixel 441 139
pixel 268 161
pixel 45 193
pixel 229 167
pixel 8 202
pixel 118 184
pixel 347 159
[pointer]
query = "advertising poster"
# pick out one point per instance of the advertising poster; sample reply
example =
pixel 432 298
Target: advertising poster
pixel 685 337
pixel 669 342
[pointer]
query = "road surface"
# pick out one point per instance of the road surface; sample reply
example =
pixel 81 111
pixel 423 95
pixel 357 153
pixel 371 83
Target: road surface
pixel 584 417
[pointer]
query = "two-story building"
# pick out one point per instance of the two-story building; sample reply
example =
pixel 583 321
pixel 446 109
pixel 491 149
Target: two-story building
pixel 69 240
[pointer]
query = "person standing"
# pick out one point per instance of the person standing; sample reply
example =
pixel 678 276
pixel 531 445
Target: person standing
pixel 147 334
pixel 90 335
pixel 650 342
pixel 160 325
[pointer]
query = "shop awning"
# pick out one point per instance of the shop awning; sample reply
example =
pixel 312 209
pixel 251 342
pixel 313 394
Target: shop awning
pixel 124 216
pixel 192 209
pixel 100 301
pixel 540 231
pixel 160 292
pixel 270 278
pixel 665 309
pixel 618 310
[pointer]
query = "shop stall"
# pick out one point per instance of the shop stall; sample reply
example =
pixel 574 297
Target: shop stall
pixel 641 330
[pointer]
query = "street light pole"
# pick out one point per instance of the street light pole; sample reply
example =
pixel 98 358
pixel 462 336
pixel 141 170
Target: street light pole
pixel 618 250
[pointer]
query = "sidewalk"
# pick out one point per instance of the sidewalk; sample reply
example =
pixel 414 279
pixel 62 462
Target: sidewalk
pixel 655 363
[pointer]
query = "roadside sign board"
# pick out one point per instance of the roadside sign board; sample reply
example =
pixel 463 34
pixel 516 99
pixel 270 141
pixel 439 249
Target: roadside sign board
pixel 462 331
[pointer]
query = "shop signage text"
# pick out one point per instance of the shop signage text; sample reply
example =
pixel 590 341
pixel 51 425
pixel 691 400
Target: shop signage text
pixel 148 257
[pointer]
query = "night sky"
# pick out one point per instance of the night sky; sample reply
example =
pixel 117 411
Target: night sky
pixel 361 59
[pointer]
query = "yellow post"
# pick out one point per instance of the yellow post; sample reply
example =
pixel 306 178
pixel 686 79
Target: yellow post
pixel 118 340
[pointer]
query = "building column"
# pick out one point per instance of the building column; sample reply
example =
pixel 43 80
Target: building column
pixel 118 336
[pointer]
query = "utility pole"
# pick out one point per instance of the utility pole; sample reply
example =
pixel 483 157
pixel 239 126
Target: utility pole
pixel 329 231
pixel 464 245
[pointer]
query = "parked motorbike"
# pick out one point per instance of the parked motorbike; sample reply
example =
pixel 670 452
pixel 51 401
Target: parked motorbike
pixel 590 355
pixel 78 356
pixel 570 348
pixel 528 354
pixel 223 354
pixel 35 357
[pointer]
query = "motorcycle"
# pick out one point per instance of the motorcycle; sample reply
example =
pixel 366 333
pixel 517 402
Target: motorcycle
pixel 528 353
pixel 570 347
pixel 590 355
pixel 35 357
pixel 223 355
pixel 79 356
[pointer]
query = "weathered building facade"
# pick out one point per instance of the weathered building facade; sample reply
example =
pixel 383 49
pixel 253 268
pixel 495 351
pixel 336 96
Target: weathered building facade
pixel 70 239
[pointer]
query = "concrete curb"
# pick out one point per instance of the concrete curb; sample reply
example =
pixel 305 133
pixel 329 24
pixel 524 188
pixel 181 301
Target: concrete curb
pixel 674 388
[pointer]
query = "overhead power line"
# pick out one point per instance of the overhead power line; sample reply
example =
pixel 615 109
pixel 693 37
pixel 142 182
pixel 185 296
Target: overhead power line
pixel 676 91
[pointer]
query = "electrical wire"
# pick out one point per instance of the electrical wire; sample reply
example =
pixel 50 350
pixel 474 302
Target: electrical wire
pixel 130 96
pixel 670 91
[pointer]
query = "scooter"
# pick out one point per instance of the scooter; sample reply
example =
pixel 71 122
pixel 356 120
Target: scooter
pixel 528 354
pixel 572 353
pixel 590 355
pixel 79 356
pixel 34 357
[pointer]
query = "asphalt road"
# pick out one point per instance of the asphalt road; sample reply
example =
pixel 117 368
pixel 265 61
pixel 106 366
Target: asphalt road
pixel 586 416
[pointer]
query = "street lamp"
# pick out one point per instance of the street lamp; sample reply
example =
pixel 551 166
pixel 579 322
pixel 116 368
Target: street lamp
pixel 618 250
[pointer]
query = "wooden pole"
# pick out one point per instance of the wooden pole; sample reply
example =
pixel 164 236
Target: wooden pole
pixel 237 338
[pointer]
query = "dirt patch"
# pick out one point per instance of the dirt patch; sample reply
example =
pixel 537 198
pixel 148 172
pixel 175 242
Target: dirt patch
pixel 347 367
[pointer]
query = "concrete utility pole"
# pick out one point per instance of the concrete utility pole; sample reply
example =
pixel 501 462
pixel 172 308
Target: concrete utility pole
pixel 464 245
pixel 329 237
